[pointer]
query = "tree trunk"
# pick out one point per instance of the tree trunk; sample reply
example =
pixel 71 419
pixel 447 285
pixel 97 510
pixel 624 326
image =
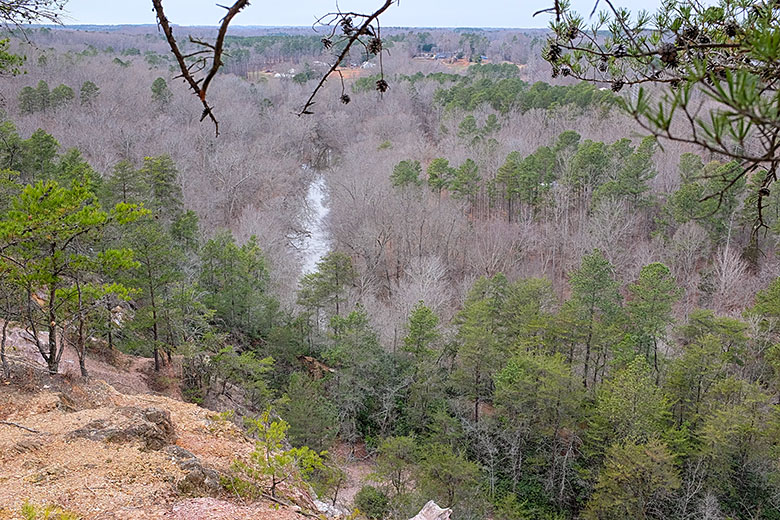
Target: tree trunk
pixel 6 367
pixel 655 360
pixel 476 397
pixel 110 335
pixel 155 332
pixel 53 361
pixel 336 491
pixel 81 348
pixel 587 350
pixel 587 360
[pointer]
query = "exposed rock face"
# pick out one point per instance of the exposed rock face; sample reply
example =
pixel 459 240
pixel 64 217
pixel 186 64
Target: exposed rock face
pixel 151 426
pixel 200 478
pixel 431 511
pixel 330 510
pixel 100 461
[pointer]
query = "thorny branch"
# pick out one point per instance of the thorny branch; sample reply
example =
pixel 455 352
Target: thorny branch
pixel 345 20
pixel 351 34
pixel 200 86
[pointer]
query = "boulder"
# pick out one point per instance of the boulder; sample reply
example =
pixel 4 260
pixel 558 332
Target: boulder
pixel 431 511
pixel 201 479
pixel 151 427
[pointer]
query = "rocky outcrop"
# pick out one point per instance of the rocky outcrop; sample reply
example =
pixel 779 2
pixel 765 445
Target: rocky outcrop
pixel 431 511
pixel 152 427
pixel 200 479
pixel 101 453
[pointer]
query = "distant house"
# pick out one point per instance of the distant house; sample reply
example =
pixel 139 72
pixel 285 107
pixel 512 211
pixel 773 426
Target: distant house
pixel 444 55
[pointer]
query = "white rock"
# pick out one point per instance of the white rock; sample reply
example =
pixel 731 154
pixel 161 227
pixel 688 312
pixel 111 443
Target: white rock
pixel 431 511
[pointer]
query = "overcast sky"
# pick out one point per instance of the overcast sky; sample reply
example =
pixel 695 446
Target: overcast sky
pixel 410 13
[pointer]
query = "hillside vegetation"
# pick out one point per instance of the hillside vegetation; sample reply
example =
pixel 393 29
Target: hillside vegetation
pixel 529 309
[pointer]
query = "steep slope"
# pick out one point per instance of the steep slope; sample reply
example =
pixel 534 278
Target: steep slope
pixel 89 449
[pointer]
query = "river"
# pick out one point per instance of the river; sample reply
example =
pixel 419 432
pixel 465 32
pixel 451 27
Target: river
pixel 316 243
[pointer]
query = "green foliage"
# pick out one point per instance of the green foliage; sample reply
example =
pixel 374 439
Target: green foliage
pixel 43 96
pixel 480 353
pixel 361 370
pixel 475 44
pixel 30 511
pixel 72 168
pixel 269 458
pixel 306 75
pixel 161 94
pixel 595 301
pixel 327 288
pixel 768 301
pixel 422 332
pixel 157 273
pixel 527 179
pixel 37 160
pixel 650 307
pixel 465 180
pixel 9 62
pixel 504 95
pixel 28 100
pixel 538 390
pixel 286 45
pixel 365 83
pixel 631 403
pixel 396 459
pixel 61 96
pixel 41 99
pixel 470 131
pixel 446 476
pixel 161 178
pixel 494 70
pixel 235 279
pixel 41 234
pixel 698 197
pixel 125 184
pixel 244 370
pixel 439 77
pixel 406 173
pixel 440 174
pixel 312 419
pixel 690 51
pixel 638 481
pixel 88 92
pixel 634 170
pixel 372 503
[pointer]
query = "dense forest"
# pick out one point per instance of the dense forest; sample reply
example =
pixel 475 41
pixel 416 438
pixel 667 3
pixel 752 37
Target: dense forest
pixel 527 309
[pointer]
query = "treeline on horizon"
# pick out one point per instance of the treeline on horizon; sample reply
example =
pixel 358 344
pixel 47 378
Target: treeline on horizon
pixel 481 325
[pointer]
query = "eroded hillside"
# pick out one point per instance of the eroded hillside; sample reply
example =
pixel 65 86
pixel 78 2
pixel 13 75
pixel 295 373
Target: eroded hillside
pixel 89 449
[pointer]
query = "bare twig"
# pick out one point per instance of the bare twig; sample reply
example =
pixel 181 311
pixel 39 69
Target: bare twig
pixel 354 36
pixel 200 86
pixel 8 423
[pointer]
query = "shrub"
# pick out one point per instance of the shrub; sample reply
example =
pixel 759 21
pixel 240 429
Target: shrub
pixel 372 502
